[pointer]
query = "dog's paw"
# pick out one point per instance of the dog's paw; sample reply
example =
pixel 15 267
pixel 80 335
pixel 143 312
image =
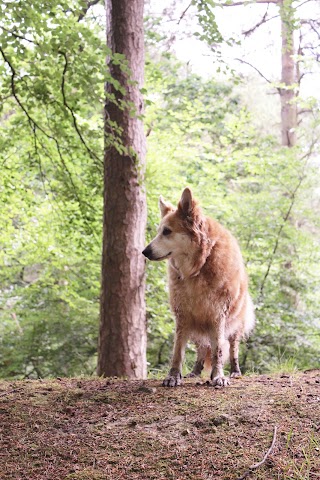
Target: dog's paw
pixel 220 381
pixel 235 374
pixel 172 380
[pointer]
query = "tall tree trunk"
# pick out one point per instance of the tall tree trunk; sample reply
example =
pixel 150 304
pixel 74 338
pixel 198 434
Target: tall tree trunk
pixel 288 76
pixel 122 340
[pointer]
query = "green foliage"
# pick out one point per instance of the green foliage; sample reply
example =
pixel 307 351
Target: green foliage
pixel 200 134
pixel 207 21
pixel 52 82
pixel 203 137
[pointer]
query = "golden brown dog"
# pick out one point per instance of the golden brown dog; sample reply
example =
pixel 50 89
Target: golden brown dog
pixel 208 288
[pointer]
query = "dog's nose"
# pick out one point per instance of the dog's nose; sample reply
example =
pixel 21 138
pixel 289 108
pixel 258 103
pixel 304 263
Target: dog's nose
pixel 147 252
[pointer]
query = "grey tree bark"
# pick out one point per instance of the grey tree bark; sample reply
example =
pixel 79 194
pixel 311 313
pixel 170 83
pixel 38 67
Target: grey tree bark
pixel 289 79
pixel 122 338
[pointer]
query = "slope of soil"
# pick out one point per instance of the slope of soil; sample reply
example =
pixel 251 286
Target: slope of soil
pixel 96 429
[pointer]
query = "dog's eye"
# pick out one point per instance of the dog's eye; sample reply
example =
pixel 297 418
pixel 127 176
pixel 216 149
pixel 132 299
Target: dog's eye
pixel 166 231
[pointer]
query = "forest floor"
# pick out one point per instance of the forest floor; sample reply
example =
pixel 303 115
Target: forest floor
pixel 97 429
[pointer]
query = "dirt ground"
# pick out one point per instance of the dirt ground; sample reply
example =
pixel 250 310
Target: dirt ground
pixel 97 429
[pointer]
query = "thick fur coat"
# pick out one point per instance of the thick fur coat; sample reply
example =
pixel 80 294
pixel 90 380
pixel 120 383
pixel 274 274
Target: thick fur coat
pixel 208 288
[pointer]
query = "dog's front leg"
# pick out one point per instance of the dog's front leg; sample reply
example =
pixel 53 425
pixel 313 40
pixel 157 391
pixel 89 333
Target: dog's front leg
pixel 175 377
pixel 218 346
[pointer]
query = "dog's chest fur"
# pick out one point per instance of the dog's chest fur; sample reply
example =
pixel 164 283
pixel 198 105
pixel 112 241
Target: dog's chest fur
pixel 196 302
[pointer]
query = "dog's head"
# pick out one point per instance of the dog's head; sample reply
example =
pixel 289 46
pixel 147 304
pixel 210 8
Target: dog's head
pixel 179 228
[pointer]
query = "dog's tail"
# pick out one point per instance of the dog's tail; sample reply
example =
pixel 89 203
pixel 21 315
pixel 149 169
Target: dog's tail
pixel 225 356
pixel 249 317
pixel 225 352
pixel 207 361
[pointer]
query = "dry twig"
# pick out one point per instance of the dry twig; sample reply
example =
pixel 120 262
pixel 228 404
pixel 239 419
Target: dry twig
pixel 183 13
pixel 257 465
pixel 8 392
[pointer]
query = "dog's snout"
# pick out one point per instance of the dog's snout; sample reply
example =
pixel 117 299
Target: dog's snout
pixel 147 252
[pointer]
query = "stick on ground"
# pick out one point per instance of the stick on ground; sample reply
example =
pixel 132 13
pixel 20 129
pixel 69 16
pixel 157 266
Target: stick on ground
pixel 257 465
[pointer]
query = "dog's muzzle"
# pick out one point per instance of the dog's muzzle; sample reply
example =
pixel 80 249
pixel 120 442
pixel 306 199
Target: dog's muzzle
pixel 147 252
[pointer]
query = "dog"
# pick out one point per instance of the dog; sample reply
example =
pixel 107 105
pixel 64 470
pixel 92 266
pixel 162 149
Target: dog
pixel 208 288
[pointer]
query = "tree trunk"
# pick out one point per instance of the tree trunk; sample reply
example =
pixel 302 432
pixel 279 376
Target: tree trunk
pixel 288 77
pixel 122 340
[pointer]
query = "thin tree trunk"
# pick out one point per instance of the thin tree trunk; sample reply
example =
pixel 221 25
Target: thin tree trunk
pixel 288 77
pixel 289 74
pixel 122 340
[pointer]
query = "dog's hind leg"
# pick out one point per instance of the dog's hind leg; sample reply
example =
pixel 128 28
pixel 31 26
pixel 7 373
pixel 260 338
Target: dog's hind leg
pixel 219 346
pixel 174 378
pixel 234 356
pixel 203 357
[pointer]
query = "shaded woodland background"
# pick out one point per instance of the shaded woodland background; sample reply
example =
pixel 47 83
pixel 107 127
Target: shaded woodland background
pixel 208 133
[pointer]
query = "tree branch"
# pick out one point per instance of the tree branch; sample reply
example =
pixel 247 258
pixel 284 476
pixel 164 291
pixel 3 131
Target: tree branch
pixel 252 2
pixel 306 1
pixel 247 33
pixel 293 196
pixel 31 120
pixel 257 465
pixel 16 35
pixel 86 8
pixel 8 392
pixel 37 155
pixel 184 12
pixel 34 125
pixel 275 248
pixel 66 104
pixel 13 88
pixel 311 25
pixel 257 70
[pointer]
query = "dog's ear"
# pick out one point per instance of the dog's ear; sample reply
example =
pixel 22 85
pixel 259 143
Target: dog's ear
pixel 186 203
pixel 165 207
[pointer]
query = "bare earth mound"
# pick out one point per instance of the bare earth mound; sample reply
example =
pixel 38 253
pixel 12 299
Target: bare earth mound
pixel 98 429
